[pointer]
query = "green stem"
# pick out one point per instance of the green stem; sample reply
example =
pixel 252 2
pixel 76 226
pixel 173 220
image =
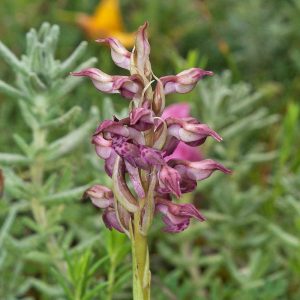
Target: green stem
pixel 140 262
pixel 38 209
pixel 111 279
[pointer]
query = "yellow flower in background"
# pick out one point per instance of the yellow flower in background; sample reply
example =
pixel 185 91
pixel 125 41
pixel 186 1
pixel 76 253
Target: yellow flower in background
pixel 106 22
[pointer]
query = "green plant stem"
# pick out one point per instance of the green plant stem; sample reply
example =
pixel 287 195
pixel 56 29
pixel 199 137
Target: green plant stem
pixel 111 278
pixel 38 209
pixel 140 262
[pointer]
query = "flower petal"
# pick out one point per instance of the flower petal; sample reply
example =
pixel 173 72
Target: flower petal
pixel 120 55
pixel 183 82
pixel 142 52
pixel 100 195
pixel 135 179
pixel 141 118
pixel 177 216
pixel 121 191
pixel 111 221
pixel 127 86
pixel 169 178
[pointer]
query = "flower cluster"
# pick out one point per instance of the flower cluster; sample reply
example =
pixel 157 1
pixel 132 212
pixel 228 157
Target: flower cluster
pixel 138 149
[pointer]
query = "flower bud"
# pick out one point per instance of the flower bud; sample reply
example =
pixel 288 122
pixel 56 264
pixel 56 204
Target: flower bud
pixel 183 82
pixel 159 98
pixel 120 55
pixel 100 195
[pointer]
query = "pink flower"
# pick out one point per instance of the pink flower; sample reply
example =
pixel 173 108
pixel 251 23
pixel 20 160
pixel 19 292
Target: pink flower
pixel 183 82
pixel 127 86
pixel 151 155
pixel 177 216
pixel 182 151
pixel 119 54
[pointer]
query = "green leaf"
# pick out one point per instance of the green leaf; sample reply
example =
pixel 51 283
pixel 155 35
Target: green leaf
pixel 70 63
pixel 62 120
pixel 10 90
pixel 12 60
pixel 67 143
pixel 9 158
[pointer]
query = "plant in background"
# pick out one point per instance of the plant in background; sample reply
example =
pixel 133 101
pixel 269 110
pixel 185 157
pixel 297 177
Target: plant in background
pixel 238 253
pixel 139 145
pixel 37 181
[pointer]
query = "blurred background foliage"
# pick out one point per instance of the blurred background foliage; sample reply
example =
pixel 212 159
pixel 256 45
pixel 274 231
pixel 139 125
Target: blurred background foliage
pixel 249 247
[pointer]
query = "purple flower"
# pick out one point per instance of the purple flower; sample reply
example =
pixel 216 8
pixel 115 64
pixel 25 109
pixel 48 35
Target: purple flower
pixel 142 52
pixel 169 180
pixel 198 170
pixel 177 110
pixel 111 221
pixel 183 82
pixel 127 86
pixel 182 151
pixel 120 55
pixel 177 216
pixel 190 131
pixel 151 154
pixel 141 118
pixel 100 195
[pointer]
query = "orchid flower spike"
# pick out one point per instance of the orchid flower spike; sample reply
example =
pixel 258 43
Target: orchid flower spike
pixel 138 149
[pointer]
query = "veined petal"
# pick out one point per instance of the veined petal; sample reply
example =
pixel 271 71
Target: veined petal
pixel 190 131
pixel 126 150
pixel 120 188
pixel 142 52
pixel 110 162
pixel 170 178
pixel 184 81
pixel 198 170
pixel 202 169
pixel 127 86
pixel 159 98
pixel 120 55
pixel 135 179
pixel 177 216
pixel 151 157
